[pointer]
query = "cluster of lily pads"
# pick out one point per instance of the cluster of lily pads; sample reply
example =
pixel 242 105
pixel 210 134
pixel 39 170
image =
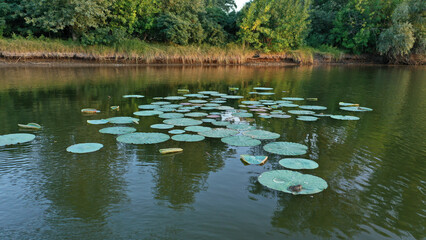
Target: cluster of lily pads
pixel 183 115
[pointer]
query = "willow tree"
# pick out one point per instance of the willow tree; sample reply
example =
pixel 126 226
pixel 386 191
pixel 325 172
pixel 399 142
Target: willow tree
pixel 274 25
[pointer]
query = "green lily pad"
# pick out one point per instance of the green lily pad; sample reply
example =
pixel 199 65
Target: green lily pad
pixel 183 90
pixel 253 160
pixel 219 133
pixel 30 126
pixel 263 88
pixel 15 138
pixel 261 134
pixel 161 103
pixel 183 110
pixel 209 120
pixel 221 123
pixel 148 113
pixel 212 105
pixel 298 163
pixel 197 101
pixel 307 118
pixel 266 93
pixel 165 110
pixel 250 102
pixel 241 126
pixel 344 117
pixel 224 108
pixel 301 112
pixel 253 92
pixel 84 147
pixel 171 115
pixel 143 138
pixel 148 106
pixel 133 96
pixel 286 148
pixel 280 116
pixel 196 114
pixel 171 106
pixel 265 116
pixel 282 180
pixel 242 114
pixel 241 141
pixel 176 131
pixel 293 98
pixel 174 98
pixel 197 129
pixel 194 95
pixel 97 122
pixel 288 105
pixel 233 97
pixel 218 101
pixel 345 104
pixel 90 110
pixel 183 122
pixel 122 120
pixel 312 107
pixel 157 98
pixel 208 92
pixel 357 109
pixel 162 126
pixel 117 130
pixel 188 138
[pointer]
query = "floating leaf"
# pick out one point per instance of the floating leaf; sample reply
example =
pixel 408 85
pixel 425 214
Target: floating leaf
pixel 148 113
pixel 282 180
pixel 183 122
pixel 90 110
pixel 157 98
pixel 280 116
pixel 243 115
pixel 348 104
pixel 174 98
pixel 224 108
pixel 117 130
pixel 208 92
pixel 15 138
pixel 84 147
pixel 162 126
pixel 312 99
pixel 165 109
pixel 266 93
pixel 183 90
pixel 250 102
pixel 221 123
pixel 161 103
pixel 261 134
pixel 344 117
pixel 133 96
pixel 307 118
pixel 219 133
pixel 176 131
pixel 148 106
pixel 30 126
pixel 143 138
pixel 293 98
pixel 233 89
pixel 208 120
pixel 301 112
pixel 233 97
pixel 196 114
pixel 170 150
pixel 197 101
pixel 263 88
pixel 171 115
pixel 286 148
pixel 288 105
pixel 312 107
pixel 241 141
pixel 250 159
pixel 171 106
pixel 188 138
pixel 265 116
pixel 97 122
pixel 241 126
pixel 357 109
pixel 115 107
pixel 195 95
pixel 197 129
pixel 298 163
pixel 122 120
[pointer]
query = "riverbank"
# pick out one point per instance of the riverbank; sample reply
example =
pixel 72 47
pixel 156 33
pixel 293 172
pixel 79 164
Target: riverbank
pixel 139 52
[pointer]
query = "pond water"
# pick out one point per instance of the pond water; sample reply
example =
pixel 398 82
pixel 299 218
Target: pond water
pixel 375 167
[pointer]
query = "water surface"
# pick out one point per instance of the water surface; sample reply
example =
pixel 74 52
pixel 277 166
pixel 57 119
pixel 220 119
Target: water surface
pixel 375 167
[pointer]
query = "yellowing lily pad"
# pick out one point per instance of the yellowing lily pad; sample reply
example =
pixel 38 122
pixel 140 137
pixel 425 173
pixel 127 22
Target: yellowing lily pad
pixel 30 126
pixel 170 150
pixel 253 160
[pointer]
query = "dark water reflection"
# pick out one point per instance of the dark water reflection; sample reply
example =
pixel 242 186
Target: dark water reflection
pixel 374 167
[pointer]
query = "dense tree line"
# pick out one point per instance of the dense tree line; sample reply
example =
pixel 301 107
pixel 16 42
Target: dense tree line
pixel 395 28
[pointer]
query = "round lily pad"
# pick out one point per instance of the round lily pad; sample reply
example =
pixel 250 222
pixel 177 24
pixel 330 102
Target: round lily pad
pixel 212 105
pixel 263 88
pixel 208 120
pixel 261 134
pixel 197 129
pixel 301 112
pixel 298 163
pixel 221 123
pixel 293 98
pixel 183 122
pixel 307 118
pixel 117 130
pixel 208 92
pixel 243 115
pixel 241 141
pixel 148 113
pixel 148 106
pixel 188 138
pixel 96 122
pixel 219 133
pixel 288 105
pixel 195 95
pixel 312 107
pixel 183 110
pixel 15 138
pixel 90 110
pixel 133 96
pixel 197 101
pixel 241 126
pixel 160 103
pixel 196 114
pixel 357 109
pixel 286 148
pixel 171 106
pixel 282 180
pixel 224 108
pixel 344 117
pixel 174 98
pixel 218 101
pixel 122 120
pixel 233 97
pixel 250 102
pixel 161 126
pixel 143 138
pixel 280 116
pixel 157 98
pixel 266 93
pixel 165 109
pixel 265 116
pixel 84 147
pixel 171 115
pixel 176 131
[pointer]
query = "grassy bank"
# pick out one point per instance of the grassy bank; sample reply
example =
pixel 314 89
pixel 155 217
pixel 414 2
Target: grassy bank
pixel 136 51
